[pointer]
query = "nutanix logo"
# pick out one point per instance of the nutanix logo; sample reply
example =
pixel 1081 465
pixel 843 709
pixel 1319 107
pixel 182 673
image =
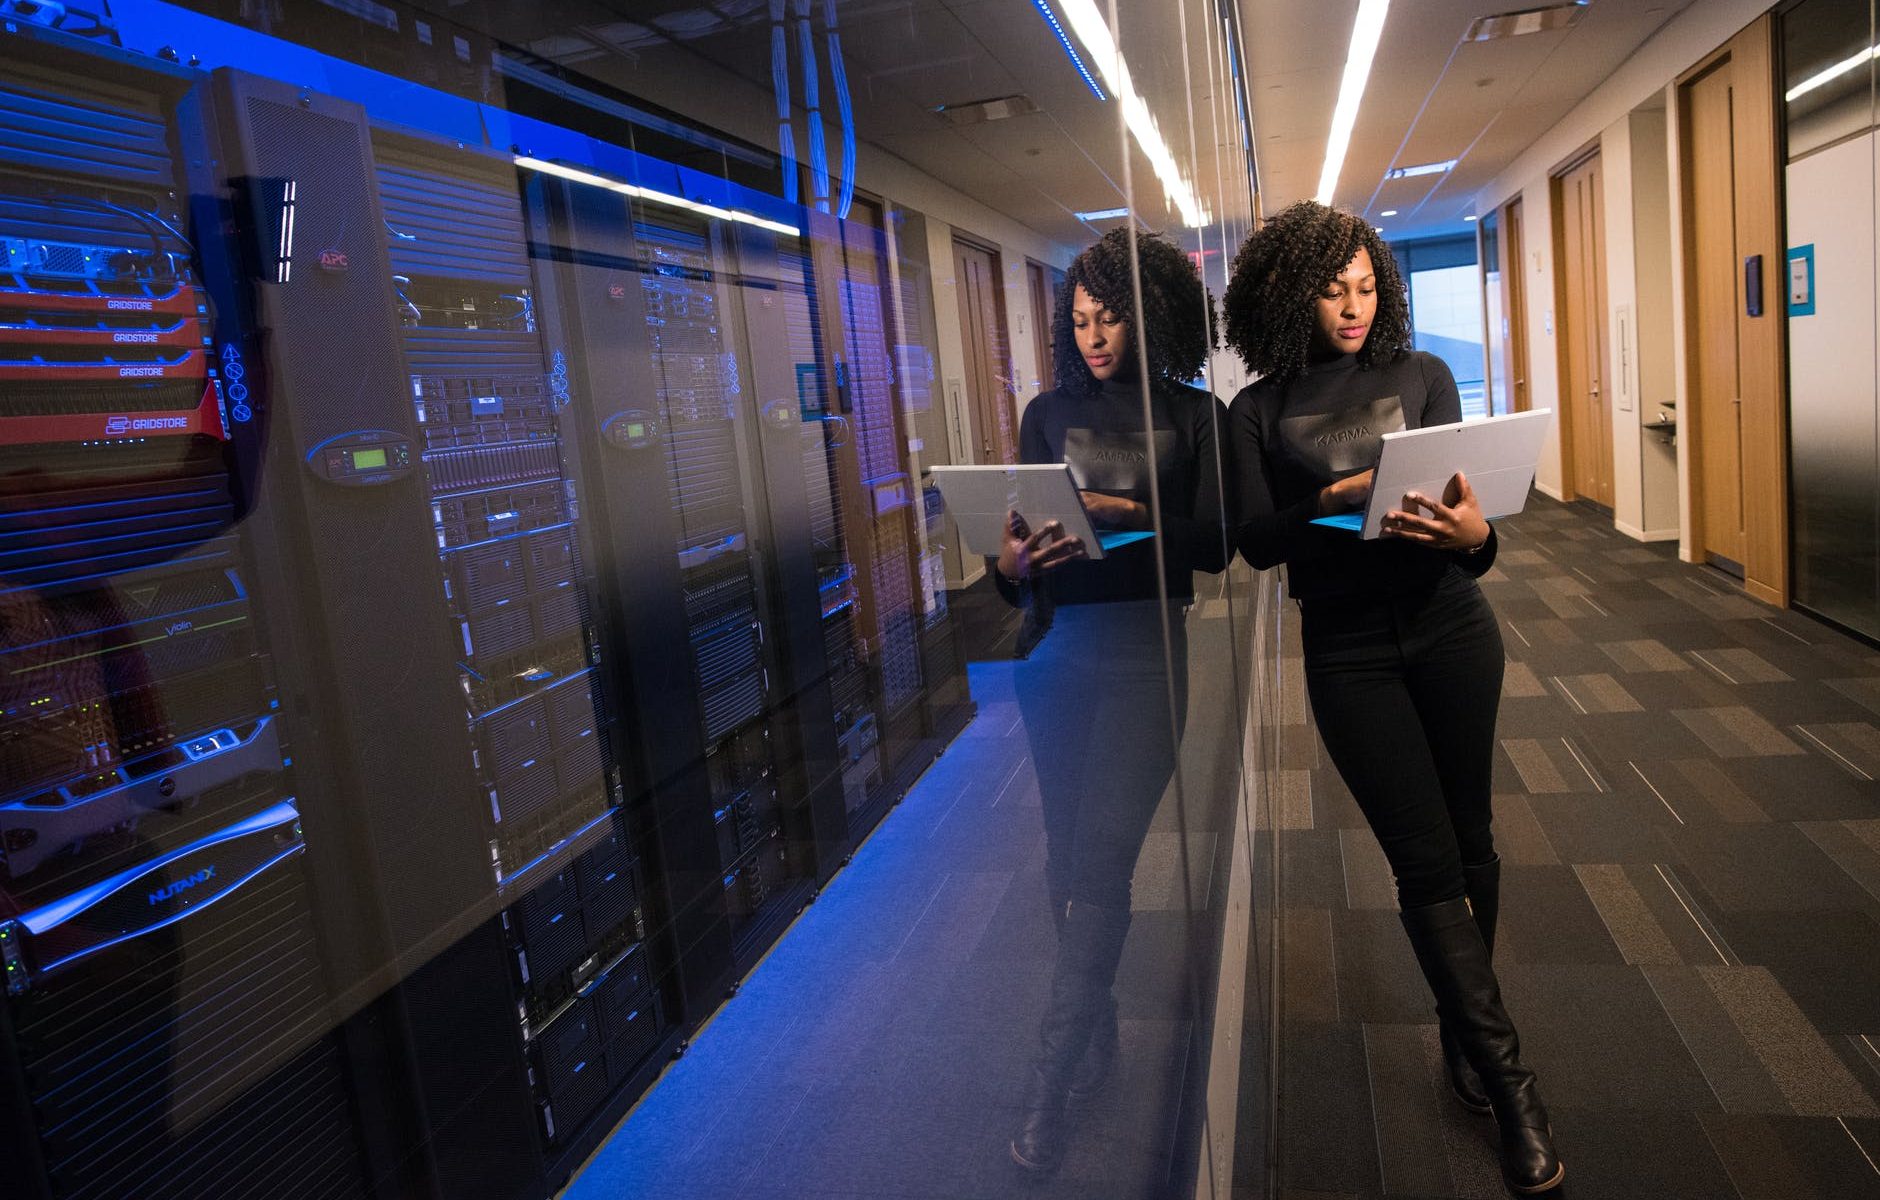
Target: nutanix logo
pixel 182 885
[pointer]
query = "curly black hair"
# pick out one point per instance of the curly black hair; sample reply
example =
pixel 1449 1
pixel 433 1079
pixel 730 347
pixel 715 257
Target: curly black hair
pixel 1284 265
pixel 1179 313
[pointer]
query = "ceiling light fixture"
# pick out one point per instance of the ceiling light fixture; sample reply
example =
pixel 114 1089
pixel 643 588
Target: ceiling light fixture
pixel 1471 217
pixel 1421 169
pixel 1530 20
pixel 1389 212
pixel 1822 78
pixel 1050 18
pixel 1102 214
pixel 1000 108
pixel 1091 29
pixel 1364 38
pixel 576 175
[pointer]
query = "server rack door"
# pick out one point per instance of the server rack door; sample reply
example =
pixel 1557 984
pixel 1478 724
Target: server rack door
pixel 167 1015
pixel 795 496
pixel 825 436
pixel 878 495
pixel 352 542
pixel 593 315
pixel 490 402
pixel 706 421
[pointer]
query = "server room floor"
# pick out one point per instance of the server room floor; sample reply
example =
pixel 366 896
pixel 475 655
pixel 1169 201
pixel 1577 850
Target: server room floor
pixel 882 1048
pixel 1690 939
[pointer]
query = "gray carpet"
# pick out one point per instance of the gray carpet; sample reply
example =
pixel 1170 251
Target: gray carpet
pixel 1687 809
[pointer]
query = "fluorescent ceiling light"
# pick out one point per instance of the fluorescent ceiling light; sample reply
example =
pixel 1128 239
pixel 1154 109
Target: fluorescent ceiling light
pixel 1389 212
pixel 1833 73
pixel 1471 217
pixel 1050 18
pixel 1102 214
pixel 1094 33
pixel 1421 169
pixel 1364 37
pixel 653 197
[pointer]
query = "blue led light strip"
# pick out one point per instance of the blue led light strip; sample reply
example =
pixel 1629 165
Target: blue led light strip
pixel 1050 18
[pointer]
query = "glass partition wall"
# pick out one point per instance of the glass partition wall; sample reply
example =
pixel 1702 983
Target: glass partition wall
pixel 505 690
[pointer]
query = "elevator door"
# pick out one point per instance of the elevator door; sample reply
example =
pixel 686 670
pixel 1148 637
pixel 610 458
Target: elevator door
pixel 1585 412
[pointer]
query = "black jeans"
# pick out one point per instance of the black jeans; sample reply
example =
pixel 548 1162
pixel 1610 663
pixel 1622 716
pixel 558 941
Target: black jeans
pixel 1405 691
pixel 1094 699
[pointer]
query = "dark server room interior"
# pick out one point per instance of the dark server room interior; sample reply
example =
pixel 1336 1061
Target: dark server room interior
pixel 491 701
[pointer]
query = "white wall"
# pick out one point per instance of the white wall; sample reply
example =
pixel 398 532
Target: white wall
pixel 1656 324
pixel 1543 370
pixel 1638 368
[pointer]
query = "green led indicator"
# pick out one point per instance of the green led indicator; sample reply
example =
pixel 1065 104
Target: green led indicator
pixel 636 429
pixel 368 460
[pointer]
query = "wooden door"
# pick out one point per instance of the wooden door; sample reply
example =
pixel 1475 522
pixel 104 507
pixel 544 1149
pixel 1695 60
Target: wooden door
pixel 1716 392
pixel 1735 410
pixel 988 367
pixel 1585 413
pixel 1043 304
pixel 1514 282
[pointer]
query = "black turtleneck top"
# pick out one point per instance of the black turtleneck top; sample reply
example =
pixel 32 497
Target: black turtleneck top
pixel 1103 439
pixel 1289 440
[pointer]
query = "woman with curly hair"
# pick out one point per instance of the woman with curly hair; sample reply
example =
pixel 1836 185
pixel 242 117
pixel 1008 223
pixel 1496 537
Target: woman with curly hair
pixel 1403 656
pixel 1094 688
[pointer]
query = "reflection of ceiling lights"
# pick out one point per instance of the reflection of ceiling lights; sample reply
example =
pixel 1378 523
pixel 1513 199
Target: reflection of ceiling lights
pixel 653 197
pixel 1471 217
pixel 1050 18
pixel 1094 33
pixel 1389 212
pixel 1102 214
pixel 1422 169
pixel 1364 37
pixel 1839 69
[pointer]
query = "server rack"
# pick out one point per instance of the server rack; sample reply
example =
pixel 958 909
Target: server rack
pixel 699 474
pixel 505 505
pixel 883 509
pixel 167 1028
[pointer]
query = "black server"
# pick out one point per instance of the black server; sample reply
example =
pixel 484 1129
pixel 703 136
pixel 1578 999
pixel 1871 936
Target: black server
pixel 168 1023
pixel 489 401
pixel 429 525
pixel 697 457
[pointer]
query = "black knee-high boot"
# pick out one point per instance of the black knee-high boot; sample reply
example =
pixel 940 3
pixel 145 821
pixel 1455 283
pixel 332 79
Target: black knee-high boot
pixel 1482 884
pixel 1089 945
pixel 1454 959
pixel 1099 1061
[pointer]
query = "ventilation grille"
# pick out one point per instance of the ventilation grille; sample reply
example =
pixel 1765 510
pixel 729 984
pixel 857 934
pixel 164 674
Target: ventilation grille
pixel 451 219
pixel 66 125
pixel 192 1062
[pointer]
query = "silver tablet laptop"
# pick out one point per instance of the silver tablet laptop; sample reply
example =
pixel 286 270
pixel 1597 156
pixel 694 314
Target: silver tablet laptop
pixel 1498 455
pixel 978 498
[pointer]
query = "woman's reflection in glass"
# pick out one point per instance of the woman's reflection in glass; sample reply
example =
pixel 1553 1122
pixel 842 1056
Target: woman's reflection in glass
pixel 1094 687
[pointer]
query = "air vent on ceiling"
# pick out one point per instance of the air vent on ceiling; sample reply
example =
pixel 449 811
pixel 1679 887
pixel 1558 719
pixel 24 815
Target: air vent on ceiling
pixel 997 109
pixel 1532 20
